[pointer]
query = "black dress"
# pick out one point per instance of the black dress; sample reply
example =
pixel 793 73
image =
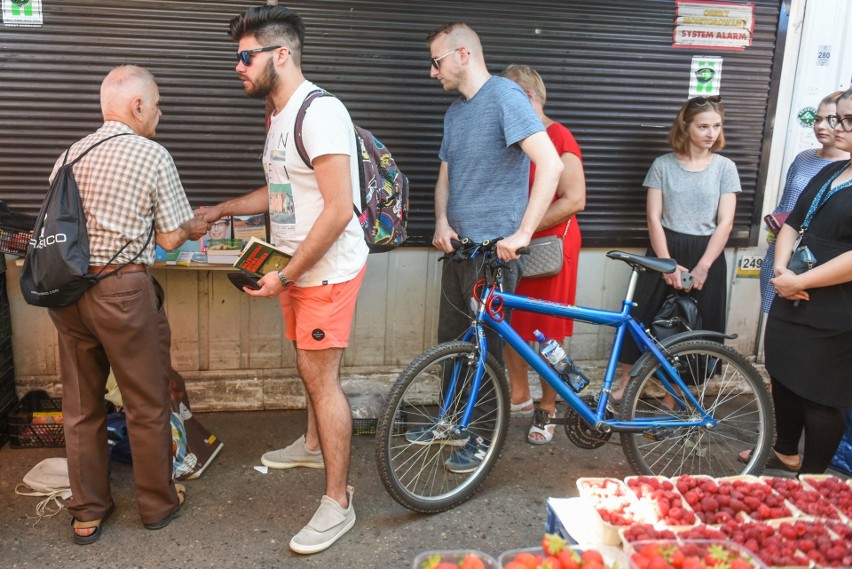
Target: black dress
pixel 651 290
pixel 809 347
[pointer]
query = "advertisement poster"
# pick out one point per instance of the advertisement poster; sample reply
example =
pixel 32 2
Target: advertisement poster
pixel 22 13
pixel 713 25
pixel 705 76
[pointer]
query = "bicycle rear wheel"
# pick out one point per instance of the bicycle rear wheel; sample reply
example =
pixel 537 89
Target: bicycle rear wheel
pixel 728 387
pixel 412 468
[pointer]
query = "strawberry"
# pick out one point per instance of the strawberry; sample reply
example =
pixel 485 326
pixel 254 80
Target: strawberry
pixel 514 565
pixel 569 559
pixel 552 543
pixel 550 562
pixel 471 561
pixel 591 555
pixel 526 559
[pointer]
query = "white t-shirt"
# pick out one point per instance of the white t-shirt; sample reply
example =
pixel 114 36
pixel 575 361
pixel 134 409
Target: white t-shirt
pixel 295 201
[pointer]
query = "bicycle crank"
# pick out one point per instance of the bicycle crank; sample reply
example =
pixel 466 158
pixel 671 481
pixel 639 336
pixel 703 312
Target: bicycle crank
pixel 580 432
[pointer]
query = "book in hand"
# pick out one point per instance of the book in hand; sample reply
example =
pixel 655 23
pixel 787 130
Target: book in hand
pixel 259 257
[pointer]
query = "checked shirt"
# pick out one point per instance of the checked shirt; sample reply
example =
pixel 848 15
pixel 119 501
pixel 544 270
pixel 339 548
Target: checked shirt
pixel 126 184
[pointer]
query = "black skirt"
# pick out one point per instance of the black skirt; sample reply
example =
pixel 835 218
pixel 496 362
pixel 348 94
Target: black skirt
pixel 651 290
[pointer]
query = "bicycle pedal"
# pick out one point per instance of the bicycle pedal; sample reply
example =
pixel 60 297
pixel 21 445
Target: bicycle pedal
pixel 657 434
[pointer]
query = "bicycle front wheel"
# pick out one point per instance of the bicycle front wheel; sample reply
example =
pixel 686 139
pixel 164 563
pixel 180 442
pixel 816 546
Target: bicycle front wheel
pixel 426 461
pixel 728 388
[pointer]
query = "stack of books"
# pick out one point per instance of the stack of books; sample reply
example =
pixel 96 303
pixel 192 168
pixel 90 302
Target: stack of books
pixel 223 251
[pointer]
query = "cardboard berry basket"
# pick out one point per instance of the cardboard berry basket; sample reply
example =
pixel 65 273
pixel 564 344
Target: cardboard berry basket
pixel 780 507
pixel 644 488
pixel 804 501
pixel 725 550
pixel 612 556
pixel 431 558
pixel 838 492
pixel 813 532
pixel 612 496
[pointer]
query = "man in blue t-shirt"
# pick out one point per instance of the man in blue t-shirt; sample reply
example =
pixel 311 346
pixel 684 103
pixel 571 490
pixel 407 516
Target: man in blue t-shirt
pixel 491 133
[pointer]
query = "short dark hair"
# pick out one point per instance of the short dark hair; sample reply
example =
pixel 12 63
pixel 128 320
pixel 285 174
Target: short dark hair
pixel 271 25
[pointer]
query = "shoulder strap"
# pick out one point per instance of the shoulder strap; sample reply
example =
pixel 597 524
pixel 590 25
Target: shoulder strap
pixel 92 147
pixel 300 120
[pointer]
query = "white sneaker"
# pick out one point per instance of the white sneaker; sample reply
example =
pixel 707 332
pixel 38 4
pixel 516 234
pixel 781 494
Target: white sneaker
pixel 328 525
pixel 297 454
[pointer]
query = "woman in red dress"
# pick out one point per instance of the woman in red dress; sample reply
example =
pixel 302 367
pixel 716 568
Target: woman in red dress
pixel 558 220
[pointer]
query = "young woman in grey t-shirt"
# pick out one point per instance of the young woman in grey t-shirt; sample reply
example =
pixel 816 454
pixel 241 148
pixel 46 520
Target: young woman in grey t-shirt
pixel 690 211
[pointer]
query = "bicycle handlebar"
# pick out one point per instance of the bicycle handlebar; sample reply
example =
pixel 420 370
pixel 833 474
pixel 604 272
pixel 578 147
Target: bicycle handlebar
pixel 468 249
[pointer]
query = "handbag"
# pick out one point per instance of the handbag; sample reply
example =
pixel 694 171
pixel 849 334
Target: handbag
pixel 802 260
pixel 545 256
pixel 678 313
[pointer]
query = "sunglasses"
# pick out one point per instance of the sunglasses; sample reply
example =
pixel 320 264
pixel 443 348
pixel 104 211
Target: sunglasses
pixel 436 61
pixel 701 101
pixel 244 56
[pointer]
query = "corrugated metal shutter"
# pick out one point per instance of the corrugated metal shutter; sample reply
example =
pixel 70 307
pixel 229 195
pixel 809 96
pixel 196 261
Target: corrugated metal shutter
pixel 612 78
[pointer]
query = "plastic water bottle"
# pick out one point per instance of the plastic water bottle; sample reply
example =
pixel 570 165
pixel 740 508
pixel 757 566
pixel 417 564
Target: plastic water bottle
pixel 552 351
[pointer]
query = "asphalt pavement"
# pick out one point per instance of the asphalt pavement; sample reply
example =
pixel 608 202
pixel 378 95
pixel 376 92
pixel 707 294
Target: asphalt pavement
pixel 237 517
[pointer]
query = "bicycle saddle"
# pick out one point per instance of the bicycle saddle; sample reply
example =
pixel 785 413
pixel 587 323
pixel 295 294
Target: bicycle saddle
pixel 652 263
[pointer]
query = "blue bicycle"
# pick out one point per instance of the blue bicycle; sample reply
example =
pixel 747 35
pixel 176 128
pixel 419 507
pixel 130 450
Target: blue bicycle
pixel 691 405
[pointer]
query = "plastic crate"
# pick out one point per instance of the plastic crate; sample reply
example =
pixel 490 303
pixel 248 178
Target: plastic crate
pixel 16 229
pixel 24 434
pixel 364 426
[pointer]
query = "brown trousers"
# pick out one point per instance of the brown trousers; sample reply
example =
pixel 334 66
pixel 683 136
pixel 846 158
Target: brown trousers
pixel 120 322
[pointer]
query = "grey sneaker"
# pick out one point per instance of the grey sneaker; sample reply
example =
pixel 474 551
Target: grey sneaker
pixel 328 525
pixel 297 454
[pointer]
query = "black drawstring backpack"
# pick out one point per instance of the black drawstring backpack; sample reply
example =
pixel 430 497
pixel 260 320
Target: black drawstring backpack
pixel 56 265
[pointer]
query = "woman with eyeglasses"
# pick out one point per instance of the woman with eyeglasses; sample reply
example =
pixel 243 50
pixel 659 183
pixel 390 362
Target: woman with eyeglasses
pixel 691 199
pixel 804 167
pixel 808 338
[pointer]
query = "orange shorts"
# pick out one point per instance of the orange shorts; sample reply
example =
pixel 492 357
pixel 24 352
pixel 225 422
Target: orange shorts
pixel 320 317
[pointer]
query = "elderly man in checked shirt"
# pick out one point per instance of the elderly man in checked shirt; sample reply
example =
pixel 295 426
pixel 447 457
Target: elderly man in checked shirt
pixel 130 190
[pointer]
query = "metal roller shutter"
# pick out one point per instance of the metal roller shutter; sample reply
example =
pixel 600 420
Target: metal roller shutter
pixel 611 73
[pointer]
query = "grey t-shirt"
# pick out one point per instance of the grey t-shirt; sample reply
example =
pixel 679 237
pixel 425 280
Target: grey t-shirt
pixel 488 171
pixel 691 199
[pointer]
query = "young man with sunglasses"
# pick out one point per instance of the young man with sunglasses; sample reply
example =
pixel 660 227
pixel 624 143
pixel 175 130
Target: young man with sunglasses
pixel 318 288
pixel 491 133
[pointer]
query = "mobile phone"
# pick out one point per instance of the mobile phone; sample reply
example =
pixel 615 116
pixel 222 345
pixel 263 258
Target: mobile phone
pixel 241 280
pixel 686 280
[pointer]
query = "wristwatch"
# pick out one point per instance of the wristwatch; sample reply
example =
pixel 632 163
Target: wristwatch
pixel 285 282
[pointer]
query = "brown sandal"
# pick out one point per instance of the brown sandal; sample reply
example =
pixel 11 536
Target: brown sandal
pixel 180 489
pixel 96 524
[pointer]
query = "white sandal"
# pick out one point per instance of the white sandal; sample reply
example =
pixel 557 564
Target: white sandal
pixel 522 409
pixel 541 426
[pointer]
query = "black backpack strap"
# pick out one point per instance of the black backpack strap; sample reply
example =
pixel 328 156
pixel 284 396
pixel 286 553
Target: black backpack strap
pixel 300 120
pixel 123 247
pixel 92 147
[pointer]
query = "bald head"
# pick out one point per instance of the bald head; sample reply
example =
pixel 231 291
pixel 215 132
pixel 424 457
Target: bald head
pixel 129 94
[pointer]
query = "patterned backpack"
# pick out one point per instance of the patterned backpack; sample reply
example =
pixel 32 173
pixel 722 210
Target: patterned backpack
pixel 384 188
